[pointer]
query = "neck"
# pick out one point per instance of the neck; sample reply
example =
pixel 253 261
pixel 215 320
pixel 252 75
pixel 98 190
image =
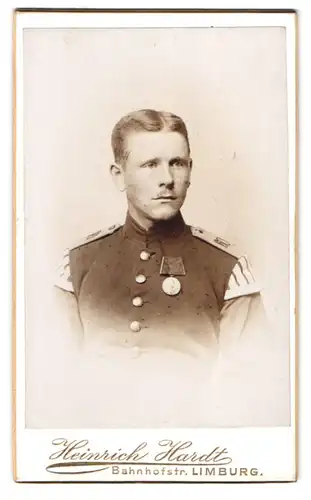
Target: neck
pixel 141 219
pixel 170 228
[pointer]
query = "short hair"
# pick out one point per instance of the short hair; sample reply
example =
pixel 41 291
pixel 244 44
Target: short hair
pixel 141 120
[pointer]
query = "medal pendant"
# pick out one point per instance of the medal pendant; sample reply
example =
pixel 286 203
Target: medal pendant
pixel 171 286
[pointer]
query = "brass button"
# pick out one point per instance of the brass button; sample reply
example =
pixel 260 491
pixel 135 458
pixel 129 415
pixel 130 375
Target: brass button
pixel 144 255
pixel 140 278
pixel 135 326
pixel 137 301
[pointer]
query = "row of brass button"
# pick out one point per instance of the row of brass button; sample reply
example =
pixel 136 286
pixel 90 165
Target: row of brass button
pixel 135 326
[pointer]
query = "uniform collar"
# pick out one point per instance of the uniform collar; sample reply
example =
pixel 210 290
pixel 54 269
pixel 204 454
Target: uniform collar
pixel 169 229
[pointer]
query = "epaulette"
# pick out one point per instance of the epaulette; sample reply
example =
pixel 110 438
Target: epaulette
pixel 102 233
pixel 63 276
pixel 241 281
pixel 216 241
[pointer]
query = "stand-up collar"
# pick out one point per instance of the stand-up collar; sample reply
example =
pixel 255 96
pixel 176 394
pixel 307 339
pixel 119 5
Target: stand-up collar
pixel 171 228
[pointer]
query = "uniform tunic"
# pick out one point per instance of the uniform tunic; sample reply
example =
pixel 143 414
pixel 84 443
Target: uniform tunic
pixel 154 353
pixel 119 279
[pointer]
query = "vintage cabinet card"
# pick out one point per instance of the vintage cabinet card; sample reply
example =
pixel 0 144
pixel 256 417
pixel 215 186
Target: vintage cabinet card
pixel 154 254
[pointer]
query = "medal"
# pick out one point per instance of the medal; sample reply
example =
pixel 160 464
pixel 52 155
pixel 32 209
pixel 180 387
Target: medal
pixel 171 286
pixel 172 266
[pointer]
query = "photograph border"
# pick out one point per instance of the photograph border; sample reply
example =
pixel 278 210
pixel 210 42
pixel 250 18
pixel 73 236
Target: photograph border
pixel 15 396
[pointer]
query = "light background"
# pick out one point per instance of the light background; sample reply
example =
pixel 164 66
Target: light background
pixel 28 491
pixel 228 84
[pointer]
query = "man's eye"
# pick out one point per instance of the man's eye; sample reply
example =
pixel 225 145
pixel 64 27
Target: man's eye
pixel 150 164
pixel 178 163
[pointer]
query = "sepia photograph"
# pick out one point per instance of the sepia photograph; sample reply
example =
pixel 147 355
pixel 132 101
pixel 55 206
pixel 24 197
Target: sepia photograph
pixel 156 194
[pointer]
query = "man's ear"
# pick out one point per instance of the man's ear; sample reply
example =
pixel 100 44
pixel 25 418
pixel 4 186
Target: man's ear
pixel 117 174
pixel 190 170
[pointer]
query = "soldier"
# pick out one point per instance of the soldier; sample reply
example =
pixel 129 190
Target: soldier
pixel 155 282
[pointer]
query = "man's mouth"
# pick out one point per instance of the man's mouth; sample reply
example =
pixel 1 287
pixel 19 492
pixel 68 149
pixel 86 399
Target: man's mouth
pixel 165 197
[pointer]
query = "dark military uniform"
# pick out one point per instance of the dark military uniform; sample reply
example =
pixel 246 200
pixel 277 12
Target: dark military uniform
pixel 163 288
pixel 157 310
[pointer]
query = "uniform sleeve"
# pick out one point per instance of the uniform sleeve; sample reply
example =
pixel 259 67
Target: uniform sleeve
pixel 66 303
pixel 62 275
pixel 242 316
pixel 242 281
pixel 251 386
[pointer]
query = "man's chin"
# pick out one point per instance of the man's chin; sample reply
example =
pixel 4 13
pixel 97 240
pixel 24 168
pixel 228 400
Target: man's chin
pixel 164 213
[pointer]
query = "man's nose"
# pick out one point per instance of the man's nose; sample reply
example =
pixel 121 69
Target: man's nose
pixel 165 175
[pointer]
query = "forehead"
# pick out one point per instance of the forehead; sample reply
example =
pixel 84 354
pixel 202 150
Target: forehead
pixel 163 144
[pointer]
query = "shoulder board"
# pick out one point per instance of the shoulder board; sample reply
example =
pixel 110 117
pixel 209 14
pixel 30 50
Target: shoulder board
pixel 216 241
pixel 102 233
pixel 63 278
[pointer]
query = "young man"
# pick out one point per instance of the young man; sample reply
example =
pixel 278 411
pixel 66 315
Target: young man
pixel 156 282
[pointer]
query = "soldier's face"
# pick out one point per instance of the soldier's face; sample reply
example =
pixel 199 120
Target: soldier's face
pixel 156 174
